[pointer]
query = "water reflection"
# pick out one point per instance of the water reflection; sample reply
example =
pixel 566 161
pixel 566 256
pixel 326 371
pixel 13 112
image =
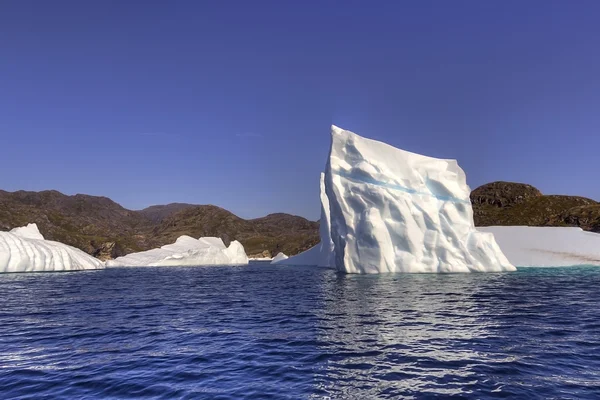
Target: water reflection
pixel 282 332
pixel 392 334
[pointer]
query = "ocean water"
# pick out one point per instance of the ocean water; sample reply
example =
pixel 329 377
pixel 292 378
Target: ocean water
pixel 263 331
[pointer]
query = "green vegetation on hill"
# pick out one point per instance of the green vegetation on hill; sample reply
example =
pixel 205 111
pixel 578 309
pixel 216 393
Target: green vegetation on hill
pixel 587 217
pixel 274 233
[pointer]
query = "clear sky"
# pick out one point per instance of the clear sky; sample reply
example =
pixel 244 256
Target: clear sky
pixel 230 102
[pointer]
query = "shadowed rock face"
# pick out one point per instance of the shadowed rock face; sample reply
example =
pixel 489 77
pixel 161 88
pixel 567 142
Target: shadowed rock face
pixel 101 227
pixel 506 203
pixel 503 194
pixel 157 213
pixel 587 217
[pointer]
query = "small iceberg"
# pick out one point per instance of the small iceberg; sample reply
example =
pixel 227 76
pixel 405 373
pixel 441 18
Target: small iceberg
pixel 186 251
pixel 278 258
pixel 24 249
pixel 388 210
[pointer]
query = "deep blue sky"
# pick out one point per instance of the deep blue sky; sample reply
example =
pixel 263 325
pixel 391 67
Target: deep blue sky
pixel 230 102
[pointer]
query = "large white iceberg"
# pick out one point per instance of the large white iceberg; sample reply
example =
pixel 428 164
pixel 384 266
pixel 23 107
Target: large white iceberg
pixel 186 251
pixel 390 210
pixel 24 249
pixel 529 246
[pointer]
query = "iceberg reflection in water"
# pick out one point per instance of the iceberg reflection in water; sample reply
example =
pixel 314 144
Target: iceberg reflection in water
pixel 272 331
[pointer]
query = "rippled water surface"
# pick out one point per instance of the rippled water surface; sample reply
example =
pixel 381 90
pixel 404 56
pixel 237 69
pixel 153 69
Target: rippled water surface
pixel 280 332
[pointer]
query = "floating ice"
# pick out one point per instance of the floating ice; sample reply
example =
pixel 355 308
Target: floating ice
pixel 278 258
pixel 260 259
pixel 30 231
pixel 389 210
pixel 529 246
pixel 24 249
pixel 186 251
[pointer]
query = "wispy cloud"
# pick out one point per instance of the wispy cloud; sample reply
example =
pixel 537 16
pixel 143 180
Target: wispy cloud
pixel 248 135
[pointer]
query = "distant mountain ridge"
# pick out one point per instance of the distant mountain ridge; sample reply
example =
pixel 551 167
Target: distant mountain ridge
pixel 102 227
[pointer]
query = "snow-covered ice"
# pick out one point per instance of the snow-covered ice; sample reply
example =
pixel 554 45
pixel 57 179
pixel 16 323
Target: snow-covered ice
pixel 30 231
pixel 24 249
pixel 528 246
pixel 390 210
pixel 186 251
pixel 278 258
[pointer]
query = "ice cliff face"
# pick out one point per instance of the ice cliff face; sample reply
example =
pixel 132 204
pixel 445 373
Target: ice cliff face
pixel 186 251
pixel 25 250
pixel 389 210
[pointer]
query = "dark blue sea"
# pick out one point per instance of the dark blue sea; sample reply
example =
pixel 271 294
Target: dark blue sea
pixel 261 332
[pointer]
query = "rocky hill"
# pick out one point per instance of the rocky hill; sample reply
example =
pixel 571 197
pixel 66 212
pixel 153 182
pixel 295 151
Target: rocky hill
pixel 103 228
pixel 157 213
pixel 508 203
pixel 273 233
pixel 86 222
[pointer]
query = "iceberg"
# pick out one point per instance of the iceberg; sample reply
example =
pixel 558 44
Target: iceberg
pixel 384 209
pixel 24 249
pixel 186 251
pixel 30 231
pixel 278 258
pixel 528 246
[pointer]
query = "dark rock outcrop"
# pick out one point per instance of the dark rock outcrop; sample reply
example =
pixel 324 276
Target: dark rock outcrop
pixel 587 217
pixel 264 254
pixel 158 213
pixel 506 203
pixel 106 251
pixel 503 194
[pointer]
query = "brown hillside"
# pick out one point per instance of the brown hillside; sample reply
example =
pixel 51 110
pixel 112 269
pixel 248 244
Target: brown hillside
pixel 506 203
pixel 101 227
